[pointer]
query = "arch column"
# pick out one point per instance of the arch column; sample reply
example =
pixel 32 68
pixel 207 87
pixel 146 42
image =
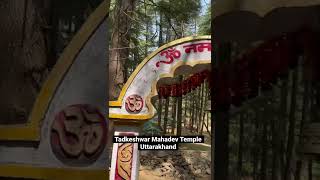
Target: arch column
pixel 125 156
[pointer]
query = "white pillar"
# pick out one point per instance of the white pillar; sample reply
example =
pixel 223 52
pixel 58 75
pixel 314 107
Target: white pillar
pixel 125 156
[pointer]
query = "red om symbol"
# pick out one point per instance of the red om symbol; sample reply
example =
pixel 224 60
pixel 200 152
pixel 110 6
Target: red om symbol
pixel 170 54
pixel 134 103
pixel 78 129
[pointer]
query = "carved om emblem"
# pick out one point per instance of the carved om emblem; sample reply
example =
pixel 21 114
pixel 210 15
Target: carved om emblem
pixel 79 133
pixel 170 54
pixel 134 103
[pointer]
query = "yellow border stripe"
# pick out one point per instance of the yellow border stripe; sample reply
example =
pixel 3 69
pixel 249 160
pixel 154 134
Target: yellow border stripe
pixel 31 130
pixel 52 173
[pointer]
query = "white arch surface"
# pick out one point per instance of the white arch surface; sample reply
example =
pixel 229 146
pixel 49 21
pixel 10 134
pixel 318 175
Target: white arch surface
pixel 186 51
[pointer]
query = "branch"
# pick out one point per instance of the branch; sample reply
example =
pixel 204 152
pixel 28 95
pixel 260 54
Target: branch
pixel 169 20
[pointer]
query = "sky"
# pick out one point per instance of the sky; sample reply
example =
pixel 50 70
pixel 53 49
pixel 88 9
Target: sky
pixel 204 5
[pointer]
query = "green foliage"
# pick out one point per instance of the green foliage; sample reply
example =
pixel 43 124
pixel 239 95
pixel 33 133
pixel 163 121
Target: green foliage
pixel 151 128
pixel 180 10
pixel 247 169
pixel 205 22
pixel 173 18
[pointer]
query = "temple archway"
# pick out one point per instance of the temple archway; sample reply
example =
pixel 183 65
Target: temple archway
pixel 133 106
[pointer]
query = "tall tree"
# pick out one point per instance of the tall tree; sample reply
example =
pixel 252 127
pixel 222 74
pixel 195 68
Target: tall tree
pixel 179 112
pixel 160 112
pixel 264 147
pixel 292 125
pixel 174 114
pixel 205 22
pixel 24 55
pixel 166 113
pixel 120 42
pixel 240 149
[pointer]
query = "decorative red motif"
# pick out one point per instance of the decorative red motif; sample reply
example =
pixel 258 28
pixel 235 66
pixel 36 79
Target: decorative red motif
pixel 184 87
pixel 256 69
pixel 78 134
pixel 174 92
pixel 134 103
pixel 170 54
pixel 194 81
pixel 177 90
pixel 199 47
pixel 167 91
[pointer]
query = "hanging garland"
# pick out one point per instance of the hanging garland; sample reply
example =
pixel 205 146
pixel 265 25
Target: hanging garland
pixel 186 86
pixel 258 68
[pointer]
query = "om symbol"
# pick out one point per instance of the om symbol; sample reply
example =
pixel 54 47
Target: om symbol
pixel 170 54
pixel 134 103
pixel 78 134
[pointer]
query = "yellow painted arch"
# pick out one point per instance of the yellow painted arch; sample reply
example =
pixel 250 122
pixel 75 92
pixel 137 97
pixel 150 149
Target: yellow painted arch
pixel 118 103
pixel 31 130
pixel 46 173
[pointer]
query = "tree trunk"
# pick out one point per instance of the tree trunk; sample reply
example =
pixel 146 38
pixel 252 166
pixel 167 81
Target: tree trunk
pixel 279 134
pixel 195 26
pixel 264 147
pixel 147 30
pixel 310 169
pixel 207 127
pixel 186 100
pixel 192 109
pixel 204 108
pixel 23 58
pixel 275 150
pixel 168 34
pixel 179 116
pixel 305 109
pixel 292 125
pixel 166 110
pixel 179 111
pixel 185 109
pixel 297 175
pixel 255 149
pixel 201 102
pixel 51 38
pixel 160 42
pixel 198 108
pixel 240 150
pixel 174 114
pixel 120 41
pixel 160 112
pixel 282 123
